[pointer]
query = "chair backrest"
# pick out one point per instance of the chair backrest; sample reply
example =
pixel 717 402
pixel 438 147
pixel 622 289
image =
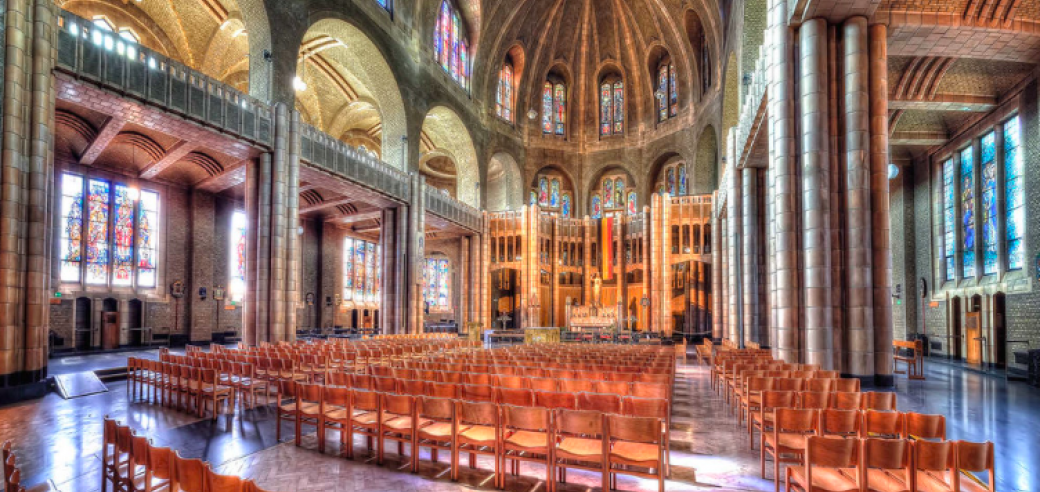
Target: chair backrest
pixel 847 384
pixel 894 456
pixel 309 392
pixel 384 384
pixel 831 452
pixel 223 483
pixel 821 385
pixel 366 400
pixel 650 390
pixel 777 399
pixel 514 396
pixel 398 404
pixel 477 392
pixel 189 475
pixel 615 387
pixel 600 402
pixel 846 400
pixel 412 387
pixel 646 430
pixel 336 396
pixel 478 378
pixel 541 384
pixel 160 462
pixel 879 400
pixel 477 413
pixel 814 399
pixel 575 385
pixel 882 424
pixel 525 418
pixel 587 423
pixel 796 420
pixel 555 399
pixel 925 426
pixel 644 407
pixel 934 456
pixel 435 408
pixel 976 457
pixel 789 384
pixel 509 381
pixel 840 422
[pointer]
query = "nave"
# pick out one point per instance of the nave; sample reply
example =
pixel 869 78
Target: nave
pixel 60 440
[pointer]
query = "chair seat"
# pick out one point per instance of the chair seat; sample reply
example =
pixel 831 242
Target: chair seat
pixel 829 479
pixel 928 481
pixel 788 441
pixel 636 452
pixel 885 481
pixel 369 418
pixel 581 447
pixel 436 430
pixel 529 440
pixel 218 389
pixel 310 408
pixel 968 484
pixel 399 422
pixel 336 413
pixel 478 433
pixel 291 407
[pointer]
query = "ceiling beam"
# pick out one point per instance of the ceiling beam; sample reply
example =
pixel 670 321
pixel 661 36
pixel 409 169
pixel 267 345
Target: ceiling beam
pixel 946 102
pixel 918 138
pixel 175 154
pixel 326 204
pixel 232 176
pixel 358 217
pixel 104 137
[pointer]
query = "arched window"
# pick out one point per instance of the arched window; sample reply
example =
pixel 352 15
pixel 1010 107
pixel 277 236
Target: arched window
pixel 437 285
pixel 611 106
pixel 361 272
pixel 450 44
pixel 504 95
pixel 554 108
pixel 666 94
pixel 673 179
pixel 108 233
pixel 610 197
pixel 705 63
pixel 237 257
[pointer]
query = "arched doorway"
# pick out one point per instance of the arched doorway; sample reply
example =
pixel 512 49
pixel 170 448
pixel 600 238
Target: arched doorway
pixel 954 349
pixel 135 312
pixel 83 326
pixel 1000 330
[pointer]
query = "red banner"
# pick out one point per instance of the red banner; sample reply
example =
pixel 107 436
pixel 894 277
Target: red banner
pixel 607 247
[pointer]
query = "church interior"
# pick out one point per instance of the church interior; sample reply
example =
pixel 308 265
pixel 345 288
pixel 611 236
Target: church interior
pixel 682 245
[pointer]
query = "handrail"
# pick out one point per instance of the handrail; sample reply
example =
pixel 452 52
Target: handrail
pixel 443 205
pixel 104 57
pixel 322 150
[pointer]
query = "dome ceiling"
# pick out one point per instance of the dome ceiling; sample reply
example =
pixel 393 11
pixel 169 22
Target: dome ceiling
pixel 580 40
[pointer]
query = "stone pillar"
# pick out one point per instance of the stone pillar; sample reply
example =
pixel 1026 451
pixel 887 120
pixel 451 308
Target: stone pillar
pixel 390 291
pixel 879 196
pixel 201 314
pixel 292 215
pixel 660 287
pixel 859 339
pixel 417 254
pixel 465 285
pixel 716 272
pixel 816 206
pixel 751 245
pixel 734 247
pixel 782 161
pixel 480 274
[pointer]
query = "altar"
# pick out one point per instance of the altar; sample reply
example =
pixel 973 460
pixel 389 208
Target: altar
pixel 541 335
pixel 591 318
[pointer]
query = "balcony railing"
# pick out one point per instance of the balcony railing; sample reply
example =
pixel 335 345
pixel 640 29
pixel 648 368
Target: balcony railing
pixel 331 154
pixel 120 64
pixel 446 207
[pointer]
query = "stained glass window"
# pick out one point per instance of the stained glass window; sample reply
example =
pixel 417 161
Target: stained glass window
pixel 673 92
pixel 611 108
pixel 554 193
pixel 147 224
pixel 377 260
pixel 237 284
pixel 632 206
pixel 123 257
pixel 605 114
pixel 547 108
pixel 1014 195
pixel 670 176
pixel 597 206
pixel 619 107
pixel 619 193
pixel 949 219
pixel 533 199
pixel 348 269
pixel 662 92
pixel 359 271
pixel 608 193
pixel 504 95
pixel 543 191
pixel 705 62
pixel 97 231
pixel 968 211
pixel 988 149
pixel 682 179
pixel 437 284
pixel 565 209
pixel 370 272
pixel 71 227
pixel 450 44
pixel 560 108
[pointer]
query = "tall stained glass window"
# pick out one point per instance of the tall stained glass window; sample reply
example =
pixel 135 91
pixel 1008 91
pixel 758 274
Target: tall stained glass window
pixel 949 219
pixel 988 163
pixel 450 44
pixel 237 257
pixel 565 209
pixel 98 254
pixel 437 283
pixel 632 202
pixel 560 107
pixel 504 95
pixel 608 193
pixel 543 191
pixel 682 179
pixel 348 269
pixel 359 272
pixel 666 94
pixel 123 257
pixel 554 108
pixel 114 225
pixel 1014 195
pixel 147 222
pixel 612 107
pixel 554 193
pixel 968 210
pixel 597 206
pixel 71 227
pixel 547 108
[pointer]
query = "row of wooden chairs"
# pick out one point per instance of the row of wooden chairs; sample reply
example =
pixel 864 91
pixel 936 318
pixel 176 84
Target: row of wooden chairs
pixel 761 411
pixel 558 438
pixel 130 463
pixel 834 464
pixel 477 386
pixel 461 376
pixel 187 388
pixel 13 474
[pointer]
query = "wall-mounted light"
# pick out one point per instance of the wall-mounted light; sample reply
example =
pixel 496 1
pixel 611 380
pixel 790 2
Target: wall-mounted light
pixel 532 114
pixel 298 84
pixel 893 171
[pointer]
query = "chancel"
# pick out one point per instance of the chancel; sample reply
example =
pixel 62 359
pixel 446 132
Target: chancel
pixel 638 245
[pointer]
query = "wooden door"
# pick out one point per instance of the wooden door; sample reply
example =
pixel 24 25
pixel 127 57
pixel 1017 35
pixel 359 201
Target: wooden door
pixel 971 333
pixel 110 331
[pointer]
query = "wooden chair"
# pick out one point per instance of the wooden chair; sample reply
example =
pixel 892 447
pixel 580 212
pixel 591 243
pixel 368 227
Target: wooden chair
pixel 512 396
pixel 935 466
pixel 838 422
pixel 751 396
pixel 634 442
pixel 820 385
pixel 399 423
pixel 847 384
pixel 526 436
pixel 579 443
pixel 879 400
pixel 825 460
pixel 335 414
pixel 478 434
pixel 656 408
pixel 925 426
pixel 159 472
pixel 477 392
pixel 435 429
pixel 815 400
pixel 651 390
pixel 508 381
pixel 247 385
pixel 575 386
pixel 846 400
pixel 366 416
pixel 541 384
pixel 112 460
pixel 223 483
pixel 443 390
pixel 763 418
pixel 555 399
pixel 210 392
pixel 189 475
pixel 599 402
pixel 974 457
pixel 384 384
pixel 791 427
pixel 887 425
pixel 887 465
pixel 613 387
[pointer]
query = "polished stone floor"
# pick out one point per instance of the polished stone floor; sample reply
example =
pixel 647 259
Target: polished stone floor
pixel 59 440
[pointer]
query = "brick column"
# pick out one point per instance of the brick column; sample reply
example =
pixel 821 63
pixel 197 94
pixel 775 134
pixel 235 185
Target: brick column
pixel 716 272
pixel 751 247
pixel 391 291
pixel 879 200
pixel 816 200
pixel 416 251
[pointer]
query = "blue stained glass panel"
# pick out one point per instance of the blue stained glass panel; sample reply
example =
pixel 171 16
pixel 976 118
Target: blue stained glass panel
pixel 968 210
pixel 565 209
pixel 597 206
pixel 561 108
pixel 97 231
pixel 670 181
pixel 608 193
pixel 554 193
pixel 662 92
pixel 989 203
pixel 619 107
pixel 682 180
pixel 348 269
pixel 949 217
pixel 72 227
pixel 547 108
pixel 1014 195
pixel 619 193
pixel 604 109
pixel 533 200
pixel 237 257
pixel 632 205
pixel 673 92
pixel 543 191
